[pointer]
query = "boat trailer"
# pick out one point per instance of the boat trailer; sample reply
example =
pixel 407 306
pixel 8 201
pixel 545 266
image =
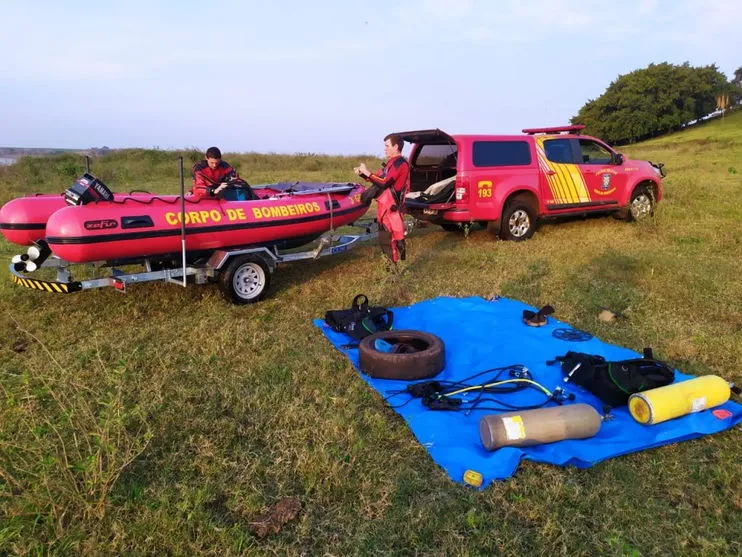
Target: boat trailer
pixel 243 274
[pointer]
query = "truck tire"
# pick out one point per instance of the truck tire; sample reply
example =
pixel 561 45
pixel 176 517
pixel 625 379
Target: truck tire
pixel 518 221
pixel 245 280
pixel 428 361
pixel 641 205
pixel 452 227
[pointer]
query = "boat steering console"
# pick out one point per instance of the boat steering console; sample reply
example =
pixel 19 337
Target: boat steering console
pixel 238 190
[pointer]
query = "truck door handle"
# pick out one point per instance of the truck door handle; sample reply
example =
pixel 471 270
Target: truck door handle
pixel 550 172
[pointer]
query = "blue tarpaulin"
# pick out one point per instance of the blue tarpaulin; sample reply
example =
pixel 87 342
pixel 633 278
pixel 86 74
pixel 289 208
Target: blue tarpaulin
pixel 480 334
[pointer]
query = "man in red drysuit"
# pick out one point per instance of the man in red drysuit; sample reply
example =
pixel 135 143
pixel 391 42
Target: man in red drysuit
pixel 211 174
pixel 389 186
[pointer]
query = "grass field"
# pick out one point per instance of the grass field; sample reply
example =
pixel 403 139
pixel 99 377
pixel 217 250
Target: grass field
pixel 164 420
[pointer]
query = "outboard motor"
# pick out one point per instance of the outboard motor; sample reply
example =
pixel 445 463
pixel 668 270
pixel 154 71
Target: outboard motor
pixel 87 189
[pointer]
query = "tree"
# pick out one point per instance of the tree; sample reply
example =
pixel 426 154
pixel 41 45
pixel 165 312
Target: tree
pixel 652 101
pixel 737 86
pixel 737 77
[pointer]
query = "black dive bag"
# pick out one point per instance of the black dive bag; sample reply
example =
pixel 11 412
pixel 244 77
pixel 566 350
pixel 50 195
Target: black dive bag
pixel 614 382
pixel 361 320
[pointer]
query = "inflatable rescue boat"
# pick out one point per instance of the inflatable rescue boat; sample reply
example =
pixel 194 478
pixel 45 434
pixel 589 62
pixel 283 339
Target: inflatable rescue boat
pixel 89 223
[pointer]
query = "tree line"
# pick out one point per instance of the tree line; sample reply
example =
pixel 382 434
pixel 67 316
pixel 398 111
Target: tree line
pixel 655 100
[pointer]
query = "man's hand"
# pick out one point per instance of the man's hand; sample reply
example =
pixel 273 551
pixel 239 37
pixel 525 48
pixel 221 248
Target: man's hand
pixel 221 187
pixel 362 170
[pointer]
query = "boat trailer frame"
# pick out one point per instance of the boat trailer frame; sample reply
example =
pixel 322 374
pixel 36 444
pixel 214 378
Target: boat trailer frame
pixel 260 263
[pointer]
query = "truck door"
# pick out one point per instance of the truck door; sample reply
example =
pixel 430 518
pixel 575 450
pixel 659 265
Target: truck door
pixel 563 186
pixel 605 179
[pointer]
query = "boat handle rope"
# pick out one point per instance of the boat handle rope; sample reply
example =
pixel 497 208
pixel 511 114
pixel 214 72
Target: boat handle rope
pixel 329 205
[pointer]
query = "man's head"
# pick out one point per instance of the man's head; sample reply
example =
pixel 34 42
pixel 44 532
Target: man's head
pixel 393 145
pixel 213 156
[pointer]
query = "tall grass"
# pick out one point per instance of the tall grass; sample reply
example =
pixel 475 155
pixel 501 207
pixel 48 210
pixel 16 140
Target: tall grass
pixel 158 171
pixel 164 420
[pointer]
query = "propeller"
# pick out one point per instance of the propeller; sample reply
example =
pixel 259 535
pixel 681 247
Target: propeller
pixel 32 259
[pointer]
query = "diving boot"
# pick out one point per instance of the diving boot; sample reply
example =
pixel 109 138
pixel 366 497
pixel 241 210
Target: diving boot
pixel 402 249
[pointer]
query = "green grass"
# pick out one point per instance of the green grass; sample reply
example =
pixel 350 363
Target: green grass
pixel 163 420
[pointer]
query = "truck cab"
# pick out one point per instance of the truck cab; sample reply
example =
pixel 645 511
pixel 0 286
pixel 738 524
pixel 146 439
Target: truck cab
pixel 510 182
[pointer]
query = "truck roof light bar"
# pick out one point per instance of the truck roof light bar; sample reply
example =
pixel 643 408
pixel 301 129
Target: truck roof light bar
pixel 576 129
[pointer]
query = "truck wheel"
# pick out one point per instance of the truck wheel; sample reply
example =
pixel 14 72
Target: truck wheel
pixel 450 227
pixel 245 279
pixel 518 222
pixel 641 205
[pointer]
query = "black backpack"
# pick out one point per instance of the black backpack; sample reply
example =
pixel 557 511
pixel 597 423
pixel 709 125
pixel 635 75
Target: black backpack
pixel 614 382
pixel 361 320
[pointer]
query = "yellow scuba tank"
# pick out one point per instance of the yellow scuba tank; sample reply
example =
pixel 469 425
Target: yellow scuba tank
pixel 678 399
pixel 543 425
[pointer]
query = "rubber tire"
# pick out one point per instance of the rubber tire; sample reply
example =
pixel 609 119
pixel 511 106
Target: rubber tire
pixel 641 193
pixel 517 209
pixel 428 362
pixel 449 227
pixel 250 267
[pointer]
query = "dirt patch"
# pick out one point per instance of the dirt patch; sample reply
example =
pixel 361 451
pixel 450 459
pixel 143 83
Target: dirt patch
pixel 272 520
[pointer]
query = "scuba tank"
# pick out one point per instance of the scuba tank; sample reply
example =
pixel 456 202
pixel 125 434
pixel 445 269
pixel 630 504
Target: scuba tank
pixel 543 425
pixel 678 399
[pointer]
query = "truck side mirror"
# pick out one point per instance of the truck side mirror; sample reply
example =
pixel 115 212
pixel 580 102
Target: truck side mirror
pixel 618 158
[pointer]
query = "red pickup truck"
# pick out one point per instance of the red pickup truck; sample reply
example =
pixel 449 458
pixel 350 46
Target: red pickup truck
pixel 510 182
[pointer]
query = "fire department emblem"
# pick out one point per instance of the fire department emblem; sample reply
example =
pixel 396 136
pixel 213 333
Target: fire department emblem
pixel 606 184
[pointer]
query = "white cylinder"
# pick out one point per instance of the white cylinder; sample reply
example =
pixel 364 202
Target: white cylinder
pixel 542 425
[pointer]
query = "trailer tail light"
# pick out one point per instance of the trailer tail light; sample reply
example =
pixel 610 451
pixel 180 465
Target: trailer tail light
pixel 118 284
pixel 462 191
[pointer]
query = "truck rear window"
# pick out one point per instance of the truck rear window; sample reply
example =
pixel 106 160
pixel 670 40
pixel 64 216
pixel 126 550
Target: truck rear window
pixel 434 155
pixel 501 153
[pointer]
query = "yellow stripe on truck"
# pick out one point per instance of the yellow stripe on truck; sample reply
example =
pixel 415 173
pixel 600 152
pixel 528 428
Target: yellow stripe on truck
pixel 582 193
pixel 554 183
pixel 567 184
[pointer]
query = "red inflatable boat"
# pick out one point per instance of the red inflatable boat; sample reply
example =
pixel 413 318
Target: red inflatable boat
pixel 23 220
pixel 89 223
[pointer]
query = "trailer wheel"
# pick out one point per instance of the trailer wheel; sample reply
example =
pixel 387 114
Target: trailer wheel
pixel 245 279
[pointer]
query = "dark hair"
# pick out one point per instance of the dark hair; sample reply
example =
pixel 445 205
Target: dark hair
pixel 213 153
pixel 394 139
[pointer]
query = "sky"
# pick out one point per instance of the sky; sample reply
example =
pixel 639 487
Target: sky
pixel 333 77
